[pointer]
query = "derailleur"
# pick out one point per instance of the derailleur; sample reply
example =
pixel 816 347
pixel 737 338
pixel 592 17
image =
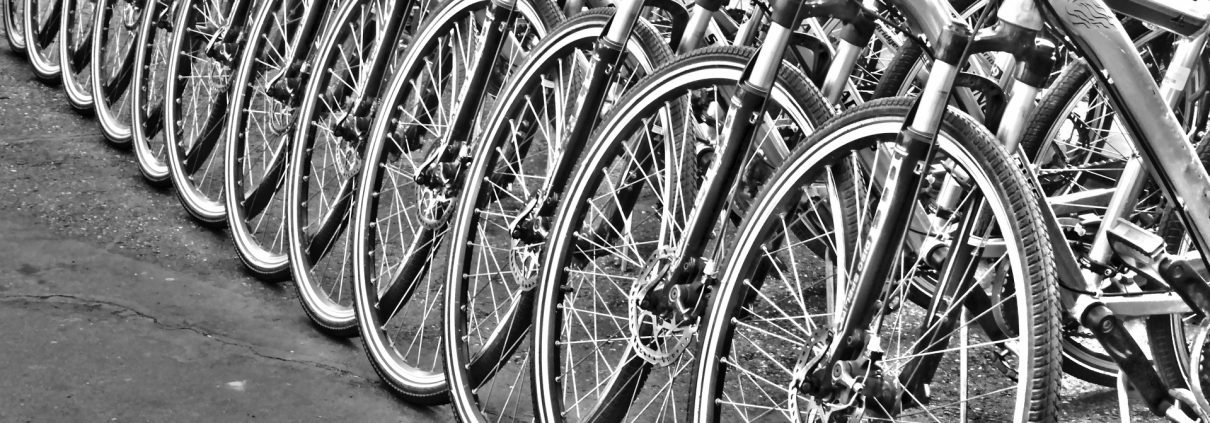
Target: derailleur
pixel 435 179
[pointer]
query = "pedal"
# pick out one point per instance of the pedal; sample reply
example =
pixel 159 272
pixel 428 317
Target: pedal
pixel 1139 248
pixel 1144 252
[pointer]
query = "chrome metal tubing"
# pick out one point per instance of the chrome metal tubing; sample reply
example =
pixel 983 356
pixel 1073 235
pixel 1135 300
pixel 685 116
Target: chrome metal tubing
pixel 838 73
pixel 699 20
pixel 768 58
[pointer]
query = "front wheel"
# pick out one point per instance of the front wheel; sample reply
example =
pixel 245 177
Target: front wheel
pixel 113 37
pixel 488 307
pixel 602 351
pixel 147 92
pixel 995 355
pixel 14 26
pixel 41 24
pixel 196 102
pixel 398 256
pixel 75 48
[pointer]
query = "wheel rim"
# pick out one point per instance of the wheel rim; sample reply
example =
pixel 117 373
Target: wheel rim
pixel 572 389
pixel 425 95
pixel 499 309
pixel 261 126
pixel 751 348
pixel 195 117
pixel 150 79
pixel 75 56
pixel 113 70
pixel 44 56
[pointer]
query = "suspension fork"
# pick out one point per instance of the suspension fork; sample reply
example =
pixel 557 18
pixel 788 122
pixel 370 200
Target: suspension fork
pixel 605 65
pixel 304 37
pixel 606 62
pixel 893 217
pixel 851 40
pixel 448 158
pixel 960 268
pixel 382 57
pixel 44 35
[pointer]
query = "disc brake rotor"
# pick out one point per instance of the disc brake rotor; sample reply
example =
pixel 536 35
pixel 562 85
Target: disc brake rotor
pixel 653 337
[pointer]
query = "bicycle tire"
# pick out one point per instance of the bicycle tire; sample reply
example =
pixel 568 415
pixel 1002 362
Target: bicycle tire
pixel 258 139
pixel 552 66
pixel 112 70
pixel 322 276
pixel 41 23
pixel 373 252
pixel 147 93
pixel 14 26
pixel 75 47
pixel 196 100
pixel 711 67
pixel 736 298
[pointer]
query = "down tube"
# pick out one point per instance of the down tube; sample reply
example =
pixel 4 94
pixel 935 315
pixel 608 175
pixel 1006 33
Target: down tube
pixel 1099 36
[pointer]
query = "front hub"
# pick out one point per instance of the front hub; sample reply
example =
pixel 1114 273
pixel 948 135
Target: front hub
pixel 655 334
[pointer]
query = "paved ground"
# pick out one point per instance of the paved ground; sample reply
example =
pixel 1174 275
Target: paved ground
pixel 115 306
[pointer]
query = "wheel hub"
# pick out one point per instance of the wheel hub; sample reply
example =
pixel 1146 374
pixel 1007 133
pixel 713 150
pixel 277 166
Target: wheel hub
pixel 654 336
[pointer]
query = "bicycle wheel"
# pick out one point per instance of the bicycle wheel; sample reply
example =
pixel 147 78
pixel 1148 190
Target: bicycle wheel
pixel 113 35
pixel 600 351
pixel 779 286
pixel 324 161
pixel 199 76
pixel 41 24
pixel 75 51
pixel 258 137
pixel 147 92
pixel 397 233
pixel 14 25
pixel 488 305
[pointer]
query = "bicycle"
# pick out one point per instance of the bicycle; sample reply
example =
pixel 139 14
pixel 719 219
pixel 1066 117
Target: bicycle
pixel 1102 39
pixel 505 203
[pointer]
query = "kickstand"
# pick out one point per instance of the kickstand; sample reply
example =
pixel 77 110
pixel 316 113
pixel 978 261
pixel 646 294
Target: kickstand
pixel 1123 397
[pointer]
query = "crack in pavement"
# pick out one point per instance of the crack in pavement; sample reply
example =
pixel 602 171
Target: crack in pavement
pixel 223 339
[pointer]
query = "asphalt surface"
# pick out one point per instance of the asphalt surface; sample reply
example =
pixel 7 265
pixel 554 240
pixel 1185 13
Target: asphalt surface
pixel 115 306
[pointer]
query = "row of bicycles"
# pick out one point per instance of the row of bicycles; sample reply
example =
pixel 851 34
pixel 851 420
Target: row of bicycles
pixel 807 210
